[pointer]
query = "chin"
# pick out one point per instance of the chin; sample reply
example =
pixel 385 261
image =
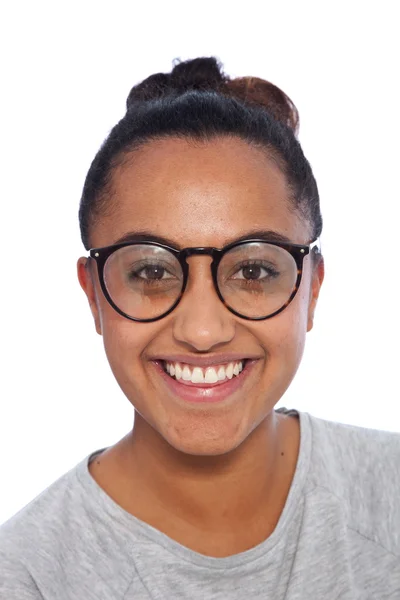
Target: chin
pixel 204 448
pixel 202 441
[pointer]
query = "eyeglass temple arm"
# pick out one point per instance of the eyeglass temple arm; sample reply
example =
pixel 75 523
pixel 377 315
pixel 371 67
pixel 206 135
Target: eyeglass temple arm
pixel 315 247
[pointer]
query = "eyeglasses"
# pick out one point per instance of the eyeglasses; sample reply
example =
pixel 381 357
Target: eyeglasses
pixel 255 279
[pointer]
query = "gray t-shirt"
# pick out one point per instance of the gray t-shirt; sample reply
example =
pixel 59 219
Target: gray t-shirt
pixel 338 536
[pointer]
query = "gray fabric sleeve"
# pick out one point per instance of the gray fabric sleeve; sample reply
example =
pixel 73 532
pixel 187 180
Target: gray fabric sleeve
pixel 16 583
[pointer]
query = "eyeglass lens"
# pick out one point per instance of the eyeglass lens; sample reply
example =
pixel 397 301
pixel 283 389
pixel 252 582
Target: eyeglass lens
pixel 255 279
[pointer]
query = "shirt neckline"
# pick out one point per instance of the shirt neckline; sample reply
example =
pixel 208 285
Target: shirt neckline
pixel 134 526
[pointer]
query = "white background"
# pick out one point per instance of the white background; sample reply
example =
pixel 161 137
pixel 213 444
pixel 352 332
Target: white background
pixel 66 71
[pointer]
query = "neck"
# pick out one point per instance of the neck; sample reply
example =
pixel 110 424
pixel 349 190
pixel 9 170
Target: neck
pixel 182 495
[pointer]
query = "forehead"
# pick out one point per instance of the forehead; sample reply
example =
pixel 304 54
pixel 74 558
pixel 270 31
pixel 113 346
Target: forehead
pixel 203 193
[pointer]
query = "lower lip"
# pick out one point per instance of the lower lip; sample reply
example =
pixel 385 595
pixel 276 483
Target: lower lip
pixel 212 393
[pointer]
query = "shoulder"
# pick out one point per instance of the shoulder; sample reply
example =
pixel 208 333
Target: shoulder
pixel 360 467
pixel 70 538
pixel 16 582
pixel 31 539
pixel 40 521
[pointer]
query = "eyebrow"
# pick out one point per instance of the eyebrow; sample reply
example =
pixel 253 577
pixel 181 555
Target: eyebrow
pixel 148 236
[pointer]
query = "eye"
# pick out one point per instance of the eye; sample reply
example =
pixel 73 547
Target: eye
pixel 151 273
pixel 254 271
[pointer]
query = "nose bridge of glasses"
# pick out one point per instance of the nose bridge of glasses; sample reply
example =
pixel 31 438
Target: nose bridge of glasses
pixel 200 270
pixel 201 251
pixel 213 253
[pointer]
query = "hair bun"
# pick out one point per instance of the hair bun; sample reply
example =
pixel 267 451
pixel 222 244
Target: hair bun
pixel 198 74
pixel 253 90
pixel 195 74
pixel 206 74
pixel 155 86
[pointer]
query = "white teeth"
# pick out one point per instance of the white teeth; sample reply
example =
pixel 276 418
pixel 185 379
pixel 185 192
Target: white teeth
pixel 186 374
pixel 221 373
pixel 178 371
pixel 197 375
pixel 211 376
pixel 229 371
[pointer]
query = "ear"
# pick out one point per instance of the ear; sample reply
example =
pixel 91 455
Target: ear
pixel 86 279
pixel 318 273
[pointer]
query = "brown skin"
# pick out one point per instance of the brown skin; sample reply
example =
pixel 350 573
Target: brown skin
pixel 213 477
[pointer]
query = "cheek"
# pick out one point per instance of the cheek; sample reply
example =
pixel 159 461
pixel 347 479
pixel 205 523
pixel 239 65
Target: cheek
pixel 286 338
pixel 283 337
pixel 124 342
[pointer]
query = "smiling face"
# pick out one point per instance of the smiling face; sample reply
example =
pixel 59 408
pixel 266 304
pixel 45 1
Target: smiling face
pixel 202 194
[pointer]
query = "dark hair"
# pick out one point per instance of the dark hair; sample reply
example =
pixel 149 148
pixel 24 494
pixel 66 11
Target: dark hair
pixel 198 101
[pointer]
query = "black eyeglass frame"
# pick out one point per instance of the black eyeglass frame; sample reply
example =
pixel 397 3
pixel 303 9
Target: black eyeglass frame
pixel 297 251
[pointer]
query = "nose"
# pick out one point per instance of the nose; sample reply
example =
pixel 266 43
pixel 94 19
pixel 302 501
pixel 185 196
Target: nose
pixel 201 321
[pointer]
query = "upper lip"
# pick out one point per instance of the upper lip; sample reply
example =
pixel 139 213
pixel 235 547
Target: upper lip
pixel 206 361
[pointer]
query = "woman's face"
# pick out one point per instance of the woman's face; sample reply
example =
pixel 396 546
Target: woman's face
pixel 202 194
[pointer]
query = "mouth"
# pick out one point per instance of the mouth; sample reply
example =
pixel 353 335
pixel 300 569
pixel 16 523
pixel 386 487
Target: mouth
pixel 191 382
pixel 195 375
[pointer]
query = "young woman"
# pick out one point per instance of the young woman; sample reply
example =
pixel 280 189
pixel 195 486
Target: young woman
pixel 201 219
